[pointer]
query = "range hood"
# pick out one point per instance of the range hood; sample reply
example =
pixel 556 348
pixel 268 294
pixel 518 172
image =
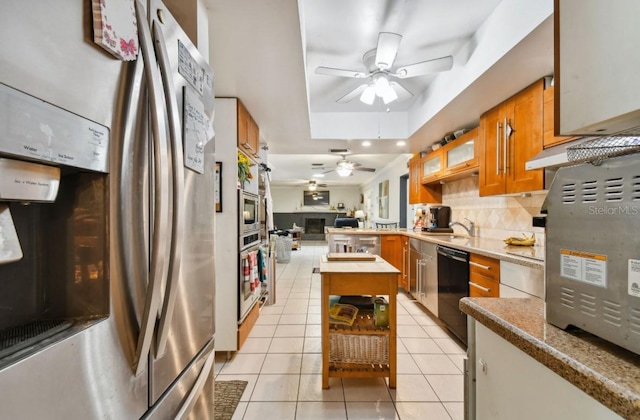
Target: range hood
pixel 554 157
pixel 586 149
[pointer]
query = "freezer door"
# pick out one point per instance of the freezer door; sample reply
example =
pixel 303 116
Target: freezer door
pixel 89 375
pixel 190 322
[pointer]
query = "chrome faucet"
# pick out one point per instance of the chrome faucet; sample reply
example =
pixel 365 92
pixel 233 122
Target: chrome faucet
pixel 470 230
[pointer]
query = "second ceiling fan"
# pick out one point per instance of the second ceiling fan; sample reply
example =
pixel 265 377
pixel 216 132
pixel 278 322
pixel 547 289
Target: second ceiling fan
pixel 379 63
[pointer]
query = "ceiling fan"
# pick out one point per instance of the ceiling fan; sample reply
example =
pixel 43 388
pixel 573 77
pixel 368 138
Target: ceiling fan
pixel 378 63
pixel 346 167
pixel 312 185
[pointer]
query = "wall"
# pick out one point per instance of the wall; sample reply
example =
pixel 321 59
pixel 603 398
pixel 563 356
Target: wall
pixel 392 172
pixel 287 199
pixel 496 217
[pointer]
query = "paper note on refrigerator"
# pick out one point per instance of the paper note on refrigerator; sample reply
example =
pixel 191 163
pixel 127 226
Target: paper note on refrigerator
pixel 198 131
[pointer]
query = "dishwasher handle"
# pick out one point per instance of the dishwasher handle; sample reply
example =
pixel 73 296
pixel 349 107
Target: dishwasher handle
pixel 454 254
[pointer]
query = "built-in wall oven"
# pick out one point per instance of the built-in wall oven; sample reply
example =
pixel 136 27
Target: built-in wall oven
pixel 253 274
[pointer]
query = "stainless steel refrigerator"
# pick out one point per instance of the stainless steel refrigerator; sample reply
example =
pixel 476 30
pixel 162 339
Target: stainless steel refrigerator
pixel 124 255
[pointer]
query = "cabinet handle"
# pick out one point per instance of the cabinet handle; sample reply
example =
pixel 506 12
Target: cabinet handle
pixel 505 139
pixel 404 262
pixel 498 128
pixel 248 146
pixel 484 267
pixel 476 285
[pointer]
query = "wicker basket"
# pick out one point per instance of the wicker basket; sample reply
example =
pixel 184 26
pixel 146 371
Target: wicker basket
pixel 360 349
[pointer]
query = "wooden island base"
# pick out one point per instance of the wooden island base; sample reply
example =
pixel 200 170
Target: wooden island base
pixel 353 345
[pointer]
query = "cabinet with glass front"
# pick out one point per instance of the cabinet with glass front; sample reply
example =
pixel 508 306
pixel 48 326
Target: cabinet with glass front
pixel 432 166
pixel 461 155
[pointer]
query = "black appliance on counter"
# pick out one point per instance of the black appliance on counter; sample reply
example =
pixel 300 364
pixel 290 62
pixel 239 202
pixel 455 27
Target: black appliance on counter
pixel 439 219
pixel 453 285
pixel 342 222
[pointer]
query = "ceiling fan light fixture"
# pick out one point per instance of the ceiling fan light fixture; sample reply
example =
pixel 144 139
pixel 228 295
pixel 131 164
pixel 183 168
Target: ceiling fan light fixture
pixel 343 170
pixel 389 95
pixel 312 185
pixel 368 95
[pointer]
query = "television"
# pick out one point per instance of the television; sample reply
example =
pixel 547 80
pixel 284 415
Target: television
pixel 316 198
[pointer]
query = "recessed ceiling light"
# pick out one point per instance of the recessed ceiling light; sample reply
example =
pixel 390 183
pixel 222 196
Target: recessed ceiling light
pixel 318 175
pixel 366 143
pixel 401 143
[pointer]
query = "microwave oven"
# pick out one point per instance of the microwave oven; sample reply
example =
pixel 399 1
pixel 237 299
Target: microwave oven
pixel 249 213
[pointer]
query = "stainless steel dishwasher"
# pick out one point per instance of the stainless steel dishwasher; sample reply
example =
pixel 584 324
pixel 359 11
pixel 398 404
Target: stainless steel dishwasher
pixel 423 274
pixel 453 285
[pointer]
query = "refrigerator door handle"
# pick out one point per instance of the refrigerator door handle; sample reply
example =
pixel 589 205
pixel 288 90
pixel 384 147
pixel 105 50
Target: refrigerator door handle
pixel 161 192
pixel 175 138
pixel 197 387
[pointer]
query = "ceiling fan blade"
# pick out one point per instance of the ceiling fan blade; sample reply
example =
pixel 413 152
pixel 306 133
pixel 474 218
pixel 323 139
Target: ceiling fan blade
pixel 401 91
pixel 425 67
pixel 363 169
pixel 352 95
pixel 329 71
pixel 388 44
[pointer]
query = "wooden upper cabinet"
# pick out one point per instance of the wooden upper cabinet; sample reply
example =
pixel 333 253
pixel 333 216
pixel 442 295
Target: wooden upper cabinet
pixel 510 135
pixel 418 193
pixel 461 155
pixel 248 132
pixel 432 167
pixel 549 137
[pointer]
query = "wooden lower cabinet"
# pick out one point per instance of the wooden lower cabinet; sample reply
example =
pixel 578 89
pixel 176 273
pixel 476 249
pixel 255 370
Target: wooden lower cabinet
pixel 484 276
pixel 393 252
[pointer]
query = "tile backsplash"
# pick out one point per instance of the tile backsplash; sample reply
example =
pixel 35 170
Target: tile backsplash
pixel 496 217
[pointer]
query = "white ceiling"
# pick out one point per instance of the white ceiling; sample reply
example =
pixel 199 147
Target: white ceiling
pixel 265 52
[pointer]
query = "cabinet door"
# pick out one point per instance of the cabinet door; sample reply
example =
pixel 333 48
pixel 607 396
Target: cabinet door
pixel 548 133
pixel 484 276
pixel 491 179
pixel 525 141
pixel 596 65
pixel 254 137
pixel 414 180
pixel 404 276
pixel 391 250
pixel 461 155
pixel 418 193
pixel 432 166
pixel 243 126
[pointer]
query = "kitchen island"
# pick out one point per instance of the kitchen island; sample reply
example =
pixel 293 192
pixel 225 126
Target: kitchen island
pixel 363 349
pixel 560 374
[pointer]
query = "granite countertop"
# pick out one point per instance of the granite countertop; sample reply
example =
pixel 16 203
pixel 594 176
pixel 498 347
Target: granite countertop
pixel 528 256
pixel 606 372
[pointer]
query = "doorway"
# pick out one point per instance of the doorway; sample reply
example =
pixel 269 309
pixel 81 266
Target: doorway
pixel 404 184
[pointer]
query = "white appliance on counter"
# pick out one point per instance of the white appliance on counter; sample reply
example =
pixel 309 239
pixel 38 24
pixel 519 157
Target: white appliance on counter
pixel 118 269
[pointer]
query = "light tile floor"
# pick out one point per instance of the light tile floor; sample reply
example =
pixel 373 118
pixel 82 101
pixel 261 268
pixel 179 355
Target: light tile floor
pixel 282 361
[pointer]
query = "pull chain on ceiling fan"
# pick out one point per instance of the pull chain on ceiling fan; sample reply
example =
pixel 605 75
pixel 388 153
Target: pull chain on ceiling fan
pixel 379 63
